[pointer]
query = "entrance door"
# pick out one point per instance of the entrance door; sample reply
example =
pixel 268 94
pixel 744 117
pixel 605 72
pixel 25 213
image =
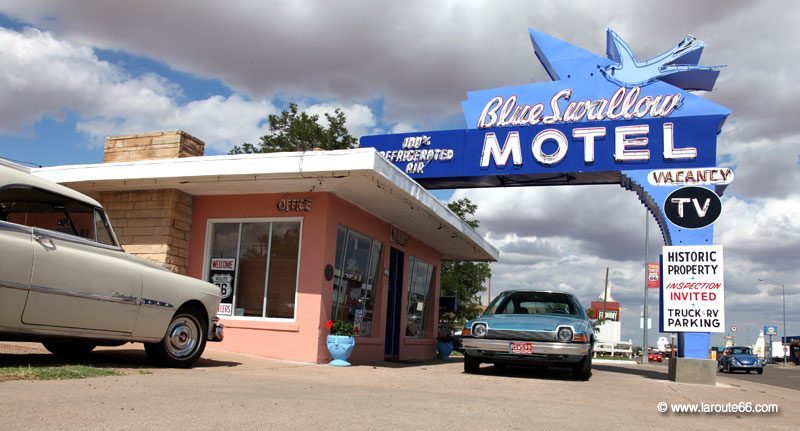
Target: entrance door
pixel 393 308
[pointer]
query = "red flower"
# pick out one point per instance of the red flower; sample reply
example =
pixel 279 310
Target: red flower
pixel 356 330
pixel 329 324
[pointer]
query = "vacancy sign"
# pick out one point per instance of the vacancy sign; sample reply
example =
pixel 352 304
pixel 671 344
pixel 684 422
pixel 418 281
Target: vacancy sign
pixel 693 295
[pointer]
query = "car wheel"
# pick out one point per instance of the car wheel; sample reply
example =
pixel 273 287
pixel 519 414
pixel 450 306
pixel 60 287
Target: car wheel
pixel 760 371
pixel 499 367
pixel 748 371
pixel 68 349
pixel 720 367
pixel 183 343
pixel 583 369
pixel 471 364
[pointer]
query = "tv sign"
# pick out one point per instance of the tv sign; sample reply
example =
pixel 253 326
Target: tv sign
pixel 692 207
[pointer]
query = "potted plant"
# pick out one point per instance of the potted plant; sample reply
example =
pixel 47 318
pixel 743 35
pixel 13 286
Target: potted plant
pixel 341 341
pixel 445 338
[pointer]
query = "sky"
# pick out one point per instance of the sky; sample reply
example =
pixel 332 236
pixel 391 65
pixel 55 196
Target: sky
pixel 73 73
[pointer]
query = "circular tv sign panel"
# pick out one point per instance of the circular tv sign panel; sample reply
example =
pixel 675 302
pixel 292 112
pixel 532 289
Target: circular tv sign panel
pixel 692 207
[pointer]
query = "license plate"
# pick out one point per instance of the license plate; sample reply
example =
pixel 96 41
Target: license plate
pixel 521 348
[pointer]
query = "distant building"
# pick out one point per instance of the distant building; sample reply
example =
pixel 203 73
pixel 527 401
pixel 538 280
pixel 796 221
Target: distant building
pixel 610 330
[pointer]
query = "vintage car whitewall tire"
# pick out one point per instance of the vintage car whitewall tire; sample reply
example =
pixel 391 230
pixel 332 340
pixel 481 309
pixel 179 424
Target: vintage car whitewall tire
pixel 68 349
pixel 583 369
pixel 183 342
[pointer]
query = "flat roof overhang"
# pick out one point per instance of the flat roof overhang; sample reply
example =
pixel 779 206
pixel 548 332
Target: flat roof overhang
pixel 359 176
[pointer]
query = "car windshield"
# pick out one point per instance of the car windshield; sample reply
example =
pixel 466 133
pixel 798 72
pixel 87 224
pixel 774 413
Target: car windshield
pixel 740 351
pixel 534 303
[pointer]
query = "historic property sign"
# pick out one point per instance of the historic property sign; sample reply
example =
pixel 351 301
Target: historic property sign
pixel 693 290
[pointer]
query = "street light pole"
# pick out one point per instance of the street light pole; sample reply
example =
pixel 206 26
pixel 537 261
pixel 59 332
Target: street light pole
pixel 783 294
pixel 645 350
pixel 784 340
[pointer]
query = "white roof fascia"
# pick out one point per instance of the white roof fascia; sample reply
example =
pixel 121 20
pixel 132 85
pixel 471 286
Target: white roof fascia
pixel 316 164
pixel 214 166
pixel 419 193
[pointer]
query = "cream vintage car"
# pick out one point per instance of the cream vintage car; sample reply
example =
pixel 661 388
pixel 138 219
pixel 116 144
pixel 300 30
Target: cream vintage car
pixel 66 282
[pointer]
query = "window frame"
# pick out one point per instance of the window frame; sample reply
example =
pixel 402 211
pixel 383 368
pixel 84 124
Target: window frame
pixel 375 258
pixel 241 220
pixel 68 236
pixel 428 301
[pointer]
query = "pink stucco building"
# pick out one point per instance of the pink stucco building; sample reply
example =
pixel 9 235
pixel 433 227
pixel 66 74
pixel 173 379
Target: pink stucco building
pixel 292 239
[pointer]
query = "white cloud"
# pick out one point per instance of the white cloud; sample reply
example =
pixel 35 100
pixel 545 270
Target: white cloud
pixel 45 76
pixel 360 119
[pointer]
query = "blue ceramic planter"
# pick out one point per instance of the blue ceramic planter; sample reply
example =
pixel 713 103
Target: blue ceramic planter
pixel 445 348
pixel 340 348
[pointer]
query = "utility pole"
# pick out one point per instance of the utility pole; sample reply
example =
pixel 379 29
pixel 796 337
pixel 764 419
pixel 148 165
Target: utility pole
pixel 783 339
pixel 644 309
pixel 605 295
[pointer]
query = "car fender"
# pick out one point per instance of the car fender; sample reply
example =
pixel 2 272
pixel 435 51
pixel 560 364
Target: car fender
pixel 163 293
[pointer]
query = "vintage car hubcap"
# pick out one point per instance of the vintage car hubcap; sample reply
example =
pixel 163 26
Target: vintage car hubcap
pixel 182 337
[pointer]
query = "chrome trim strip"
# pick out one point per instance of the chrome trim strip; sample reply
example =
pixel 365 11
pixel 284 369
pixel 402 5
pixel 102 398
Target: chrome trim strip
pixel 13 285
pixel 51 234
pixel 7 225
pixel 155 303
pixel 504 346
pixel 116 297
pixel 84 295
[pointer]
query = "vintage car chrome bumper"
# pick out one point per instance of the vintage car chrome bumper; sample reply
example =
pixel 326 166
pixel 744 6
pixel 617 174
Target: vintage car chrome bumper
pixel 216 332
pixel 741 366
pixel 539 348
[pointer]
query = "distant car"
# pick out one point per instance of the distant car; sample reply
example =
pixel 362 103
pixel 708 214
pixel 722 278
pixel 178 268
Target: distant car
pixel 530 328
pixel 739 358
pixel 66 282
pixel 655 357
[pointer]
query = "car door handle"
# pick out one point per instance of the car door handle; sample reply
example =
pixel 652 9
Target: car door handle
pixel 47 242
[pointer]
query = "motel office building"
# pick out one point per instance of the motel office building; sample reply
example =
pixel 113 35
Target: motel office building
pixel 292 239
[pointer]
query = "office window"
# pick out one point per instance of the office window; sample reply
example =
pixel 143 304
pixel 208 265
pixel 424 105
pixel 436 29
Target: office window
pixel 419 288
pixel 356 279
pixel 255 265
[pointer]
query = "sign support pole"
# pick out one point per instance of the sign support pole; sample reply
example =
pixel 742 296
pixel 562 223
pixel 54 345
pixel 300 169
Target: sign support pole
pixel 645 358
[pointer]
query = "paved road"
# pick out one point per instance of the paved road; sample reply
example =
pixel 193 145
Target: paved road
pixel 229 391
pixel 774 375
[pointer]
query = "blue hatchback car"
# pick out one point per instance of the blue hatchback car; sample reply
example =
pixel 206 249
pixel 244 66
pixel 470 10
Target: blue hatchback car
pixel 530 328
pixel 740 358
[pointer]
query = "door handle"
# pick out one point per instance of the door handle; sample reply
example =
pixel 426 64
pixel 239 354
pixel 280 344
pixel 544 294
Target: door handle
pixel 47 242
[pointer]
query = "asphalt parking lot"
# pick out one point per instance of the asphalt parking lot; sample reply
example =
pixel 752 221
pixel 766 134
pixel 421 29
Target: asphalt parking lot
pixel 242 392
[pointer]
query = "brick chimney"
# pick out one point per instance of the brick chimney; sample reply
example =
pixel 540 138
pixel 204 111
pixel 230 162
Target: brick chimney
pixel 152 223
pixel 148 146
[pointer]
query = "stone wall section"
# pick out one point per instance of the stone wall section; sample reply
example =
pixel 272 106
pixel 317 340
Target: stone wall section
pixel 153 224
pixel 148 146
